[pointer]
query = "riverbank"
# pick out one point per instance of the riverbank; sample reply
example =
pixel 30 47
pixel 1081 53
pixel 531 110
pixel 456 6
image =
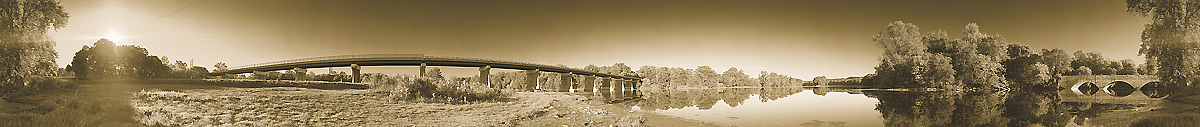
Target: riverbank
pixel 289 106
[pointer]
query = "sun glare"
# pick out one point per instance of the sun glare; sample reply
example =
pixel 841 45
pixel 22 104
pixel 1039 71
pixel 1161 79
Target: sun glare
pixel 114 36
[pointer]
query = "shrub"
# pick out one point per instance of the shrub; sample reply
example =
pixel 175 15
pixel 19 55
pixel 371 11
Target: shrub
pixel 34 85
pixel 423 89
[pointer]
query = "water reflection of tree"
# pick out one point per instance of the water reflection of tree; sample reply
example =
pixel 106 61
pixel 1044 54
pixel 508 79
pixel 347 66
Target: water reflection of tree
pixel 704 99
pixel 1015 108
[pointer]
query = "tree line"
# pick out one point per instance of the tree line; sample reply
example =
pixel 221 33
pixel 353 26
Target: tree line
pixel 652 78
pixel 106 60
pixel 980 61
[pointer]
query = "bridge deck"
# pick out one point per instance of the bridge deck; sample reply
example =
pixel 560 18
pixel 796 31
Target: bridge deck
pixel 405 60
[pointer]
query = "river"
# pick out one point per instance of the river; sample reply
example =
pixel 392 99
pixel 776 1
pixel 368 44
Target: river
pixel 836 106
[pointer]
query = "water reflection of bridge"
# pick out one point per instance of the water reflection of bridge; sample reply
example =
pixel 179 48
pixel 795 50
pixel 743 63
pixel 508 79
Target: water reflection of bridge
pixel 706 98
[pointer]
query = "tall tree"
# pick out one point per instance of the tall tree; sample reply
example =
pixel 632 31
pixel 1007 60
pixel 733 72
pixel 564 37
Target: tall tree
pixel 1057 60
pixel 109 61
pixel 1172 37
pixel 902 50
pixel 220 66
pixel 706 77
pixel 26 50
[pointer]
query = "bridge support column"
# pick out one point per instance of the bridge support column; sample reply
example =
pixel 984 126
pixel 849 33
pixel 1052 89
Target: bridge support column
pixel 564 84
pixel 531 77
pixel 485 75
pixel 630 84
pixel 588 82
pixel 618 84
pixel 422 68
pixel 604 84
pixel 636 84
pixel 297 75
pixel 355 74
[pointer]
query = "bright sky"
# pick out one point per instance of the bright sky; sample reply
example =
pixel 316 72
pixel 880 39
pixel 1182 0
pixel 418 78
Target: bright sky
pixel 802 39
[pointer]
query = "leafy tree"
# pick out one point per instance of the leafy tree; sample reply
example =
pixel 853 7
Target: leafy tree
pixel 108 61
pixel 26 50
pixel 978 59
pixel 1127 67
pixel 941 73
pixel 1149 68
pixel 220 66
pixel 1171 38
pixel 435 73
pixel 1083 70
pixel 705 77
pixel 735 77
pixel 903 49
pixel 1057 60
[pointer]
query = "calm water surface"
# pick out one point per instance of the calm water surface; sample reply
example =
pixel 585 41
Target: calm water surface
pixel 833 106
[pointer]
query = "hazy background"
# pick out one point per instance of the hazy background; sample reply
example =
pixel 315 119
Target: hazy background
pixel 802 39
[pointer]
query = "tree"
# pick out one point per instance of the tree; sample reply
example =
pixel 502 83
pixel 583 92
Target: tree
pixel 977 59
pixel 735 77
pixel 109 61
pixel 1083 70
pixel 26 50
pixel 220 66
pixel 706 77
pixel 1171 38
pixel 1058 61
pixel 435 73
pixel 902 50
pixel 1127 67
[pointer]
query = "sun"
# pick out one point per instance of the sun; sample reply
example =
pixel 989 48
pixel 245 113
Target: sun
pixel 114 36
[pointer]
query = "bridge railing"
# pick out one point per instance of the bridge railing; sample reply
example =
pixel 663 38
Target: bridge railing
pixel 339 57
pixel 481 59
pixel 378 56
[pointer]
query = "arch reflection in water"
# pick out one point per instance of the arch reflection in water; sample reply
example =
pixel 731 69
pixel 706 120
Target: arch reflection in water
pixel 1155 90
pixel 1119 89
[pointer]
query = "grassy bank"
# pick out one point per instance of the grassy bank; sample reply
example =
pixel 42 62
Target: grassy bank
pixel 60 102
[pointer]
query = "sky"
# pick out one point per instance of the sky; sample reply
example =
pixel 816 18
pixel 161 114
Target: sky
pixel 799 38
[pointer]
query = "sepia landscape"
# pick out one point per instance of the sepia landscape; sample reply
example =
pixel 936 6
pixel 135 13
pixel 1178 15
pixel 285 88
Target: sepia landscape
pixel 382 63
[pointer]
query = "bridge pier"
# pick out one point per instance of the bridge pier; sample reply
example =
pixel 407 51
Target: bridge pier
pixel 618 84
pixel 485 75
pixel 299 74
pixel 634 84
pixel 604 84
pixel 588 82
pixel 422 68
pixel 531 80
pixel 630 84
pixel 565 82
pixel 355 74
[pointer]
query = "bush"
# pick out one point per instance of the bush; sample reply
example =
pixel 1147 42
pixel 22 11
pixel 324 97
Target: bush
pixel 34 85
pixel 423 89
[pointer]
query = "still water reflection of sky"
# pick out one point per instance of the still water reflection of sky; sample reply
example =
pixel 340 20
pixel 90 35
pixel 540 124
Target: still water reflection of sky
pixel 833 106
pixel 800 109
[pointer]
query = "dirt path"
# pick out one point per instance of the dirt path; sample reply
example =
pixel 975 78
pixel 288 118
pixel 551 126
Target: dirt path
pixel 287 106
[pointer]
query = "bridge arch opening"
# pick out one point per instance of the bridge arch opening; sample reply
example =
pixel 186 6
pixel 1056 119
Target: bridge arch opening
pixel 1155 90
pixel 1119 89
pixel 1085 88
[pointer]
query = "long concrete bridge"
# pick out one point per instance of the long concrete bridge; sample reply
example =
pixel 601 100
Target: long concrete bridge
pixel 532 70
